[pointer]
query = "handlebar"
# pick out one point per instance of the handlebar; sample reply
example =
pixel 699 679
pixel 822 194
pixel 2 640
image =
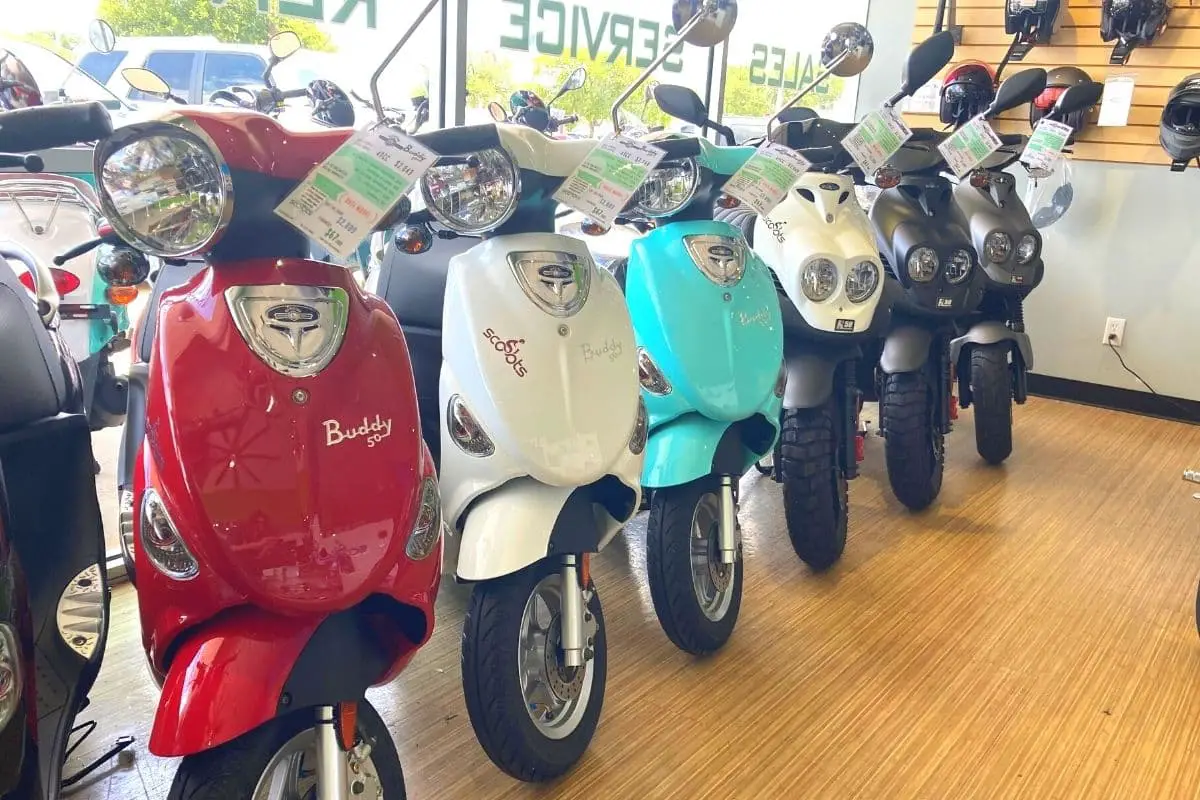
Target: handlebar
pixel 29 162
pixel 44 127
pixel 225 94
pixel 290 94
pixel 86 247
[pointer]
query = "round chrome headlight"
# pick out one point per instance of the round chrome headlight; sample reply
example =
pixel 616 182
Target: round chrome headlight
pixel 474 194
pixel 819 279
pixel 1027 249
pixel 164 189
pixel 959 267
pixel 997 247
pixel 668 188
pixel 922 264
pixel 861 281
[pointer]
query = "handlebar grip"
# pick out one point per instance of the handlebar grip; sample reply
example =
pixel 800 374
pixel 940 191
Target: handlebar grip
pixel 223 94
pixel 75 252
pixel 570 119
pixel 30 162
pixel 43 127
pixel 292 93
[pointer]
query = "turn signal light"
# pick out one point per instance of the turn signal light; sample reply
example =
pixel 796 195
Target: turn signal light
pixel 593 228
pixel 980 179
pixel 887 177
pixel 728 201
pixel 414 239
pixel 121 295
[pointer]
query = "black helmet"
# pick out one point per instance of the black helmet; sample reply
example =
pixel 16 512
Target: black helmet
pixel 1131 23
pixel 1058 80
pixel 528 109
pixel 330 104
pixel 1031 22
pixel 1179 127
pixel 967 90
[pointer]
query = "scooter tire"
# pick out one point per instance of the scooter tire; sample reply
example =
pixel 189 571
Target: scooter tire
pixel 234 769
pixel 816 502
pixel 914 447
pixel 669 571
pixel 991 397
pixel 495 704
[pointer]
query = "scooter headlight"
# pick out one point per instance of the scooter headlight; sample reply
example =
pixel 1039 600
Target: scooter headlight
pixel 162 542
pixel 668 188
pixel 922 264
pixel 11 682
pixel 997 247
pixel 861 281
pixel 473 194
pixel 959 267
pixel 428 527
pixel 641 430
pixel 1027 249
pixel 650 376
pixel 819 279
pixel 164 187
pixel 466 432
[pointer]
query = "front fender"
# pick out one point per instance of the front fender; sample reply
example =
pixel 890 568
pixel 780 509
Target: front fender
pixel 905 349
pixel 810 373
pixel 993 332
pixel 687 447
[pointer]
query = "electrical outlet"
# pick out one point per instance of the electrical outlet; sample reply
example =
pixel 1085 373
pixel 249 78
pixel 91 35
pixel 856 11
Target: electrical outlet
pixel 1114 332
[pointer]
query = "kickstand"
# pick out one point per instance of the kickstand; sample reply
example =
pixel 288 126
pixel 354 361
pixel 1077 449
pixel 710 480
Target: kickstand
pixel 119 748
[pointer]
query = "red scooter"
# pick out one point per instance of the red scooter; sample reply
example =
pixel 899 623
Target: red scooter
pixel 287 526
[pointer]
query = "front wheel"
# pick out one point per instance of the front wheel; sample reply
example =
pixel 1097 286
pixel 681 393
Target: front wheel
pixel 815 501
pixel 533 715
pixel 991 397
pixel 914 445
pixel 696 597
pixel 279 759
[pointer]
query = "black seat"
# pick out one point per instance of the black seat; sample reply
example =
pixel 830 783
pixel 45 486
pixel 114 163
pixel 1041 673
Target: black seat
pixel 33 384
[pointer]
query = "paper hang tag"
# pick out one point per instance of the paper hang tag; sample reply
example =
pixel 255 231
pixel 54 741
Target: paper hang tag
pixel 926 100
pixel 600 187
pixel 969 146
pixel 1044 146
pixel 341 201
pixel 1116 101
pixel 763 181
pixel 877 138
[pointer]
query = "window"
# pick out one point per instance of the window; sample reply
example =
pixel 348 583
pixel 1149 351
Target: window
pixel 101 66
pixel 174 67
pixel 222 70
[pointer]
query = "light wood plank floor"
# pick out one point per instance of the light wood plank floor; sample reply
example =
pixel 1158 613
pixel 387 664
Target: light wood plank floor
pixel 1031 636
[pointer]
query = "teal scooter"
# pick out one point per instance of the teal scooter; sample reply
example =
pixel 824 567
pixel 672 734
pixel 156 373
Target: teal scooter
pixel 709 333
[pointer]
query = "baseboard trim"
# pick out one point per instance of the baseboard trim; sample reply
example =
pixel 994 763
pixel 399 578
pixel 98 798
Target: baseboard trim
pixel 1094 394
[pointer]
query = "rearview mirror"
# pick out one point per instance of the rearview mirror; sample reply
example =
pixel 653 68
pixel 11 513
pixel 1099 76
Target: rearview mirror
pixel 717 18
pixel 1077 98
pixel 284 44
pixel 145 80
pixel 575 80
pixel 101 36
pixel 925 61
pixel 1017 89
pixel 18 89
pixel 497 111
pixel 681 103
pixel 847 49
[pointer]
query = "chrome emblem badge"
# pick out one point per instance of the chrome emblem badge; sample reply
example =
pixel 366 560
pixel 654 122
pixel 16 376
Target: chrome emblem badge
pixel 557 278
pixel 293 321
pixel 830 187
pixel 721 258
pixel 295 330
pixel 556 281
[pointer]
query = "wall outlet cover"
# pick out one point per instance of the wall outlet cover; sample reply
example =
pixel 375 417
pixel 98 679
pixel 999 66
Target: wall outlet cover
pixel 1114 332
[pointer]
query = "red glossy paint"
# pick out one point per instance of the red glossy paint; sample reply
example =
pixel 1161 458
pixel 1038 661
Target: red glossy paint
pixel 255 142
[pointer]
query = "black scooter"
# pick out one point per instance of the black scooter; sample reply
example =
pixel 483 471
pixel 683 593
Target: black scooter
pixel 53 588
pixel 992 355
pixel 926 239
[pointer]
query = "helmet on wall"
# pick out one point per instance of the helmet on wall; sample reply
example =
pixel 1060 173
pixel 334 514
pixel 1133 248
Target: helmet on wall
pixel 1058 80
pixel 1131 23
pixel 968 88
pixel 1179 126
pixel 1033 21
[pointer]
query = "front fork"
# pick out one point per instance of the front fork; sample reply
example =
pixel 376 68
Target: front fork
pixel 944 378
pixel 331 760
pixel 728 529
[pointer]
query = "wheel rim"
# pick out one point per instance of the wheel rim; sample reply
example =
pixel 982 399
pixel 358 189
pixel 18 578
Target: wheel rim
pixel 712 581
pixel 556 696
pixel 291 774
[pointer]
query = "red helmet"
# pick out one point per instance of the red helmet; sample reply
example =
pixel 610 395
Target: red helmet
pixel 1058 80
pixel 967 90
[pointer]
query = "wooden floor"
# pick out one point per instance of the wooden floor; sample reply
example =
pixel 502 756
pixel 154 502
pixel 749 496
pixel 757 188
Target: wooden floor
pixel 1031 636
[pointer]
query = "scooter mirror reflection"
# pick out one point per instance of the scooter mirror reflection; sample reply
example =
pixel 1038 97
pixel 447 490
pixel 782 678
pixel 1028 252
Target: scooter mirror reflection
pixel 497 111
pixel 1076 98
pixel 145 80
pixel 926 60
pixel 1017 89
pixel 847 49
pixel 284 44
pixel 717 18
pixel 101 36
pixel 18 89
pixel 575 80
pixel 681 103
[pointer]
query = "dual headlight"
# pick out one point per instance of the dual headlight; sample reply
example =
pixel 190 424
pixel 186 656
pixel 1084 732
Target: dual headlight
pixel 923 263
pixel 998 247
pixel 819 280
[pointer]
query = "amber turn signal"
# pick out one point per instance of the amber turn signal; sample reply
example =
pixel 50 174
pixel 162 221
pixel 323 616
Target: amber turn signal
pixel 728 201
pixel 414 239
pixel 121 295
pixel 593 228
pixel 887 177
pixel 980 179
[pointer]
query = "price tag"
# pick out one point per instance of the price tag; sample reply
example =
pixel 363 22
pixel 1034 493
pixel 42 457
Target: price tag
pixel 968 146
pixel 344 198
pixel 877 138
pixel 1116 100
pixel 763 181
pixel 601 186
pixel 926 100
pixel 1043 148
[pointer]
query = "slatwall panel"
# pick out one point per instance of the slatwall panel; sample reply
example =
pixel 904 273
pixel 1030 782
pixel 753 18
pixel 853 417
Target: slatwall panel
pixel 1172 57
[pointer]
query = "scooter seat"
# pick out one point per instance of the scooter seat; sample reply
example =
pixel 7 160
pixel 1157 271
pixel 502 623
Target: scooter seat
pixel 34 385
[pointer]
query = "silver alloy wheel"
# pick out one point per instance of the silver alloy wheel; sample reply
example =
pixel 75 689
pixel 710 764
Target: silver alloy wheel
pixel 291 774
pixel 556 697
pixel 712 581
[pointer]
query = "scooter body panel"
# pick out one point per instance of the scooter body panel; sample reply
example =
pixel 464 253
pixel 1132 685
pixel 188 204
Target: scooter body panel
pixel 558 395
pixel 720 347
pixel 998 207
pixel 987 332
